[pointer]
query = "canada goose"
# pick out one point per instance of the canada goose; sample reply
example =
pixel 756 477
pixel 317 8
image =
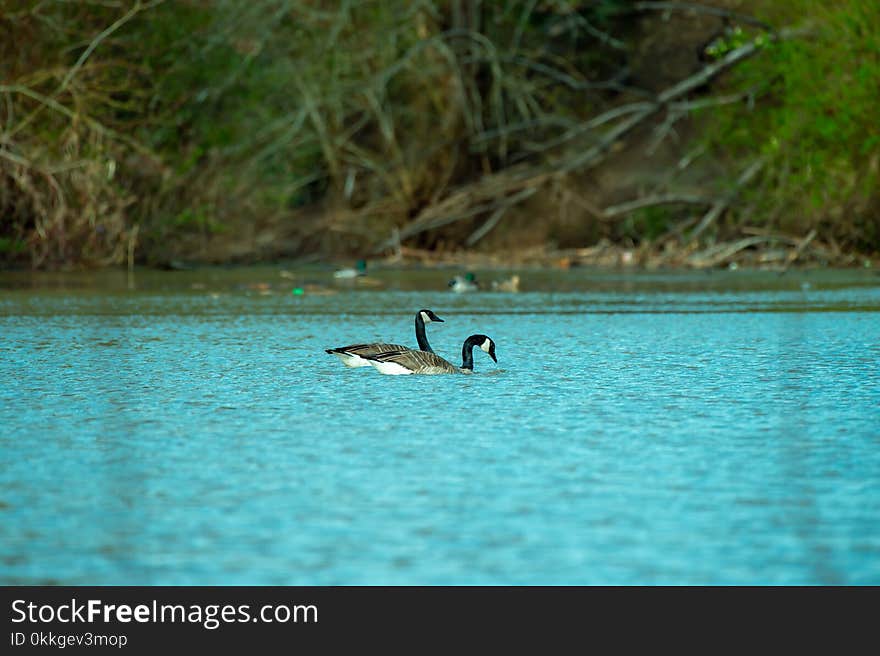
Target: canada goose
pixel 398 363
pixel 353 356
pixel 360 269
pixel 465 283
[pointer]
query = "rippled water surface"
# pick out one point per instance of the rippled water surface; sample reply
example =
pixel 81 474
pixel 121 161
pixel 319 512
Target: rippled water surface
pixel 188 428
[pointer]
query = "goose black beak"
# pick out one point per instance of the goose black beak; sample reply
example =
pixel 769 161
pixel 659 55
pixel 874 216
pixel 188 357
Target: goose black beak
pixel 492 355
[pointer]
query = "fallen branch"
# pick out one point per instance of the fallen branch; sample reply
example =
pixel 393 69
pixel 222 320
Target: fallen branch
pixel 485 195
pixel 498 214
pixel 482 196
pixel 593 155
pixel 717 101
pixel 651 201
pixel 593 123
pixel 698 79
pixel 718 254
pixel 723 203
pixel 797 252
pixel 678 110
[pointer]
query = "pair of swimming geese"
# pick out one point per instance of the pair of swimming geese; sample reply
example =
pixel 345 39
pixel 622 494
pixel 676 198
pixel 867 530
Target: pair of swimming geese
pixel 394 359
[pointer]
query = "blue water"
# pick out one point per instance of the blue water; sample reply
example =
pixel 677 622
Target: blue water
pixel 635 430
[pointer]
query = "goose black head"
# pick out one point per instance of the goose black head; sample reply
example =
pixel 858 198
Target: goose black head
pixel 428 316
pixel 488 346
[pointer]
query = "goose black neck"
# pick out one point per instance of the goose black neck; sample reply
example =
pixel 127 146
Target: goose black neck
pixel 421 338
pixel 467 352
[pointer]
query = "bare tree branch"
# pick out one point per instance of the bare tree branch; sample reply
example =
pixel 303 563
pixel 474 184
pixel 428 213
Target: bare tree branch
pixel 798 251
pixel 651 201
pixel 61 109
pixel 718 254
pixel 702 9
pixel 131 13
pixel 517 183
pixel 723 203
pixel 498 214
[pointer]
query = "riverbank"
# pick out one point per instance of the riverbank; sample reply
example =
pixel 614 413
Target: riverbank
pixel 705 134
pixel 299 285
pixel 764 252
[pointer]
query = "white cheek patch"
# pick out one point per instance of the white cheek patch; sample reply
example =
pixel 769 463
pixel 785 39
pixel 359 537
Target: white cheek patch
pixel 486 345
pixel 425 317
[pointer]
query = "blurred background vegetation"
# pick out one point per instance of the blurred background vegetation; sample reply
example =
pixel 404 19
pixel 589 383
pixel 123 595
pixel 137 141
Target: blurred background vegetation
pixel 226 131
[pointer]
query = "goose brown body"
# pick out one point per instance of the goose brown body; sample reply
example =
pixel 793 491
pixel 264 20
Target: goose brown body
pixel 420 362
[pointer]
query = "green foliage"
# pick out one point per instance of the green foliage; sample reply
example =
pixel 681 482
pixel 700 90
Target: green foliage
pixel 196 220
pixel 12 246
pixel 648 223
pixel 736 38
pixel 815 119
